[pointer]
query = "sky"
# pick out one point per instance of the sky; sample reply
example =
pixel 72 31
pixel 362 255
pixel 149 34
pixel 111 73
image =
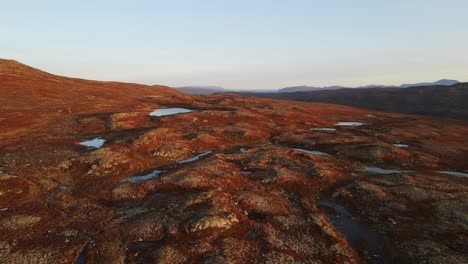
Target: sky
pixel 241 44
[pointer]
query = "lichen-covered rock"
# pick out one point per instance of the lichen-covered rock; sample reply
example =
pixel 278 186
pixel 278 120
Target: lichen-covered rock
pixel 168 255
pixel 147 227
pixel 263 203
pixel 208 220
pixel 22 221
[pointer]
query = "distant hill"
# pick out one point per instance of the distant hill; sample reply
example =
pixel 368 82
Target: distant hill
pixel 43 97
pixel 305 88
pixel 434 100
pixel 25 86
pixel 35 104
pixel 217 89
pixel 201 89
pixel 443 82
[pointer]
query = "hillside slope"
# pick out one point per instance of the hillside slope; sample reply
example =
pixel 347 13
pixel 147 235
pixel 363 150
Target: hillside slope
pixel 32 101
pixel 28 87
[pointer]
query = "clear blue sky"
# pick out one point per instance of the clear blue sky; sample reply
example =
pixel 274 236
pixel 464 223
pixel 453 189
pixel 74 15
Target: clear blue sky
pixel 241 43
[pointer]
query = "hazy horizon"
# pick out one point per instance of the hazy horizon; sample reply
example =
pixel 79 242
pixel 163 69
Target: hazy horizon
pixel 241 45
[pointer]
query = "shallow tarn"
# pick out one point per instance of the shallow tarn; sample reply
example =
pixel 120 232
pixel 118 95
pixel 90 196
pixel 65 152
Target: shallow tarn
pixel 362 239
pixel 169 111
pixel 349 124
pixel 454 173
pixel 381 171
pixel 322 129
pixel 94 143
pixel 156 173
pixel 145 177
pixel 313 152
pixel 196 157
pixel 82 257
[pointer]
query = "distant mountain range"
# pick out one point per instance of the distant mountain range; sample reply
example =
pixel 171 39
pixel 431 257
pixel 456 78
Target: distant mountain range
pixel 305 88
pixel 440 100
pixel 201 89
pixel 443 82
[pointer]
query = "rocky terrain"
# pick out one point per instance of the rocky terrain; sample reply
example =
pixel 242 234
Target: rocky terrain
pixel 234 180
pixel 434 100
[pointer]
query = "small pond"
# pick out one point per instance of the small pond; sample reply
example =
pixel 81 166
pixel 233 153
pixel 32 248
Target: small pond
pixel 361 237
pixel 169 111
pixel 349 124
pixel 145 177
pixel 313 152
pixel 195 158
pixel 454 173
pixel 94 143
pixel 322 129
pixel 381 171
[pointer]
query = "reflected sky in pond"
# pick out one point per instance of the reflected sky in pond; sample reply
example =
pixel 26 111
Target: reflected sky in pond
pixel 145 177
pixel 169 111
pixel 313 152
pixel 349 124
pixel 381 171
pixel 455 173
pixel 94 143
pixel 322 129
pixel 195 158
